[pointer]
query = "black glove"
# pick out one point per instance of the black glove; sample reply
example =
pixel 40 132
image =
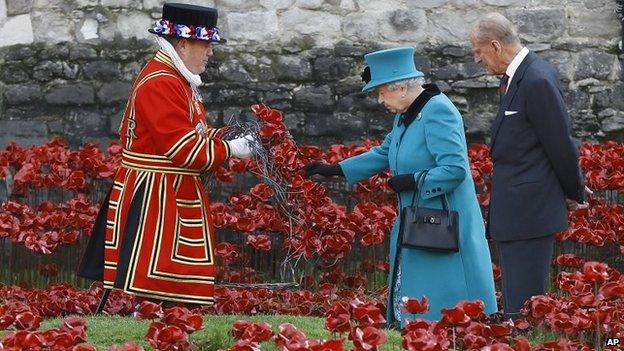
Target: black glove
pixel 402 182
pixel 322 169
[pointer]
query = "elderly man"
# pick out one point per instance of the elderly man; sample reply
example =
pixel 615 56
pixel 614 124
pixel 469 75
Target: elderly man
pixel 153 236
pixel 535 161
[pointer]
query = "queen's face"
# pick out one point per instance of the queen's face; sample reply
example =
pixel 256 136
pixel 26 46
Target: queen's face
pixel 393 98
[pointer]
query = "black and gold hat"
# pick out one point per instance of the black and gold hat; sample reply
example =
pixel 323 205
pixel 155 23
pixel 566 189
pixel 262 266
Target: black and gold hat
pixel 188 22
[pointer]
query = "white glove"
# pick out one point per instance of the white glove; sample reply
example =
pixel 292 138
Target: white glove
pixel 241 147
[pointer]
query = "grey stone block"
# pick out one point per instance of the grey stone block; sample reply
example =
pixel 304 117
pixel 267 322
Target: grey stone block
pixel 318 98
pixel 59 51
pixel 114 121
pixel 333 68
pixel 293 67
pixel 610 98
pixel 233 71
pixel 21 53
pixel 277 95
pixel 14 74
pixel 22 132
pixel 352 50
pixel 114 92
pixel 82 53
pixel 562 62
pixel 48 70
pixel 22 94
pixel 612 120
pixel 577 100
pixel 594 63
pixel 456 51
pixel 18 7
pixel 537 25
pixel 70 94
pixel 102 70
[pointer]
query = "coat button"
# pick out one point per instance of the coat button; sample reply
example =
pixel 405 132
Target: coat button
pixel 434 191
pixel 427 192
pixel 439 189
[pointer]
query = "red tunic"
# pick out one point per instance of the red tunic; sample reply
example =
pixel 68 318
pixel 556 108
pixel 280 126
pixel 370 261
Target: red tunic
pixel 159 239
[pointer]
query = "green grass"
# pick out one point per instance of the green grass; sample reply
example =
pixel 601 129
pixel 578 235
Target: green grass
pixel 104 331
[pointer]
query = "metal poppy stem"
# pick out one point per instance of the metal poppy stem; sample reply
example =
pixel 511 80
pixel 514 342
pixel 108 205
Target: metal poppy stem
pixel 598 336
pixel 103 300
pixel 454 341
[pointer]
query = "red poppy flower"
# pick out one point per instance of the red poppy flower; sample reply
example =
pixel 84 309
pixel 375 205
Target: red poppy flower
pixel 246 330
pixel 473 309
pixel 262 191
pixel 415 306
pixel 164 337
pixel 368 338
pixel 259 242
pixel 569 260
pixel 27 321
pixel 596 272
pixel 149 310
pixel 454 316
pixel 286 333
pixel 340 323
pixel 368 314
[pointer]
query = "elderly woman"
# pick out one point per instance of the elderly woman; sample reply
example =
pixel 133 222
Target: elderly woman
pixel 427 135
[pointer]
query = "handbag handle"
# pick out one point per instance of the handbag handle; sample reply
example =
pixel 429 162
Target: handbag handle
pixel 420 182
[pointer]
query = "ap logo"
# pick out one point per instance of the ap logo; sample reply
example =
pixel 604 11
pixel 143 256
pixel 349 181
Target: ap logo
pixel 612 342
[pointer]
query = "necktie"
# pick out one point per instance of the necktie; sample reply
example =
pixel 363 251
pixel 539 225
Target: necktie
pixel 502 89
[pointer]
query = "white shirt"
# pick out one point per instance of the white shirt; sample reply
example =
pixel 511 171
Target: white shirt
pixel 515 63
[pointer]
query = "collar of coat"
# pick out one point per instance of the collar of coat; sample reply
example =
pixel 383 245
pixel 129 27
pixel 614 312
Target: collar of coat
pixel 412 112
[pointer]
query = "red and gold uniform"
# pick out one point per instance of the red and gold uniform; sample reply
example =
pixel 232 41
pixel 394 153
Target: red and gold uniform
pixel 158 238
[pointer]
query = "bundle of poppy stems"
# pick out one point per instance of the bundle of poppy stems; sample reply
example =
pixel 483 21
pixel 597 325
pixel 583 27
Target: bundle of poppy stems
pixel 270 174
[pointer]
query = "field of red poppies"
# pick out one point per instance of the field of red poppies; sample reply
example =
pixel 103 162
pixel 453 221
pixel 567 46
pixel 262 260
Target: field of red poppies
pixel 317 235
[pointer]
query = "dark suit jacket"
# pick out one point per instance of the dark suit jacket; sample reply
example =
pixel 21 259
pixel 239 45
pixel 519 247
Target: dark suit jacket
pixel 535 160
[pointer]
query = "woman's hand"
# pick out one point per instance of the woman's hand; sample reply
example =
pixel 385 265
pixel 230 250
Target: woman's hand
pixel 402 182
pixel 323 169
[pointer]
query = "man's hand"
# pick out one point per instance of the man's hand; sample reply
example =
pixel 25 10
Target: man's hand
pixel 573 205
pixel 241 147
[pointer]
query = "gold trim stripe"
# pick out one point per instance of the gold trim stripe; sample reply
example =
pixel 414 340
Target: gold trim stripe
pixel 191 241
pixel 178 145
pixel 188 202
pixel 164 58
pixel 192 220
pixel 145 157
pixel 159 169
pixel 201 142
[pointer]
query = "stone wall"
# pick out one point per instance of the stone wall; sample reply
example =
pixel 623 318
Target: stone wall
pixel 66 66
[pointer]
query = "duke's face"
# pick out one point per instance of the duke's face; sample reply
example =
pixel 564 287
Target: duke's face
pixel 488 54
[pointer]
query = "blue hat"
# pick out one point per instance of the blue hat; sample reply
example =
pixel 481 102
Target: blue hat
pixel 391 65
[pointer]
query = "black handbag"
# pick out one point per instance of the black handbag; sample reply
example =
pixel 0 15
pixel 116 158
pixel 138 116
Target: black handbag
pixel 429 228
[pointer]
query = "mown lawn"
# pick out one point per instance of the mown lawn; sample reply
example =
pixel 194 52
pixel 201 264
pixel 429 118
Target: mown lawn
pixel 104 331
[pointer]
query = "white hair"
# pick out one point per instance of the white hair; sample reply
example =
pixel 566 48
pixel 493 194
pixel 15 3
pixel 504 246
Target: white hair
pixel 407 83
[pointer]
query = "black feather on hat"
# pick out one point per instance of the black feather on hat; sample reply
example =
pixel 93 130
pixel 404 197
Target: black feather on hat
pixel 188 22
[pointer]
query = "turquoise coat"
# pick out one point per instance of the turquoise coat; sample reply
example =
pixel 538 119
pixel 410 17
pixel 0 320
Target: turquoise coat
pixel 434 141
